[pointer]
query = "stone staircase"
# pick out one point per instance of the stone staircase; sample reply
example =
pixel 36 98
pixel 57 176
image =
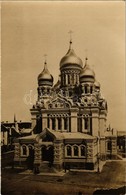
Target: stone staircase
pixel 46 168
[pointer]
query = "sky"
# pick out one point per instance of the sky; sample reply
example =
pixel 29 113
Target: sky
pixel 32 29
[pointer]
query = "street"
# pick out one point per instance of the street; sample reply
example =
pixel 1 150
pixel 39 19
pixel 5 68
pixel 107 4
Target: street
pixel 72 183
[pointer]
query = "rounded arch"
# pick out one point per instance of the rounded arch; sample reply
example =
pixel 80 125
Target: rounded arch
pixel 30 150
pixel 75 150
pixel 24 150
pixel 82 150
pixel 68 150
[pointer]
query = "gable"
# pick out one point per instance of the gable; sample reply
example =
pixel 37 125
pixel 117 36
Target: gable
pixel 47 138
pixel 59 103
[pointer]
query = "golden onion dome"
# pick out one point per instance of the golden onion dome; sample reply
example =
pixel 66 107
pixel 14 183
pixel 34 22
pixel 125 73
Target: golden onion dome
pixel 45 77
pixel 71 58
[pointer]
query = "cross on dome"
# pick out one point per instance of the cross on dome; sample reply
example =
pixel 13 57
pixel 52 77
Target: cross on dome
pixel 45 55
pixel 70 32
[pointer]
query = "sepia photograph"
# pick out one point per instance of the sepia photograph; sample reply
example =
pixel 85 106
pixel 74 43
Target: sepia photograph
pixel 63 108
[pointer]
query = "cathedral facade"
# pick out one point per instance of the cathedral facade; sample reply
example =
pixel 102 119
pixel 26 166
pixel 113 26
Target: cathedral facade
pixel 68 120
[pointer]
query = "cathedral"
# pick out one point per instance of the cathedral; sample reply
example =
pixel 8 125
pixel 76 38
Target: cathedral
pixel 68 120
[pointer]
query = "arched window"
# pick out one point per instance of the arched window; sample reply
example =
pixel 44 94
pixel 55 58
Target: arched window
pixel 48 124
pixel 65 123
pixel 109 145
pixel 86 123
pixel 75 150
pixel 82 150
pixel 30 147
pixel 68 79
pixel 86 89
pixel 73 79
pixel 59 123
pixel 91 89
pixel 53 123
pixel 24 150
pixel 69 151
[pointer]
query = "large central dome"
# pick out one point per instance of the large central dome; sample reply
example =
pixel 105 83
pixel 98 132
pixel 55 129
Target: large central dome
pixel 71 59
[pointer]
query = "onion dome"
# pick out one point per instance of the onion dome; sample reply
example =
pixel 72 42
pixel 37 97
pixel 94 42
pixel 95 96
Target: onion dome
pixel 71 60
pixel 97 84
pixel 45 78
pixel 87 74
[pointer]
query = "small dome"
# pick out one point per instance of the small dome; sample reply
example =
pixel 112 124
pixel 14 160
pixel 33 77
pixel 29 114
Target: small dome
pixel 97 84
pixel 57 85
pixel 45 77
pixel 71 58
pixel 87 74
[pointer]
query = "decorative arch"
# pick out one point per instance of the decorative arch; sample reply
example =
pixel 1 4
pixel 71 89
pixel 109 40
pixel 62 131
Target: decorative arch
pixel 59 103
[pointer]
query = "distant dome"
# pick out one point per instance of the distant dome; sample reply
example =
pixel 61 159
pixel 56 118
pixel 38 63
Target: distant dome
pixel 71 59
pixel 97 84
pixel 45 78
pixel 87 74
pixel 57 85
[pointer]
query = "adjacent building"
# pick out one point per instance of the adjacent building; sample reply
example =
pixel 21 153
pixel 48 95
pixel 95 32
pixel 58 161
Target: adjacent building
pixel 12 130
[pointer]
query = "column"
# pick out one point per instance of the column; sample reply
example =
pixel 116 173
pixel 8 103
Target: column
pixel 88 89
pixel 62 80
pixel 74 79
pixel 37 154
pixel 88 129
pixel 44 121
pixel 56 123
pixel 82 89
pixel 82 119
pixel 58 154
pixel 77 79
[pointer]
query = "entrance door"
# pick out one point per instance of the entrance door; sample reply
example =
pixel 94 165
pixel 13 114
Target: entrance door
pixel 30 158
pixel 48 154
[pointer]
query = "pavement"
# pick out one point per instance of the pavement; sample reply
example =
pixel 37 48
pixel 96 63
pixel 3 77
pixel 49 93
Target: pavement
pixel 30 172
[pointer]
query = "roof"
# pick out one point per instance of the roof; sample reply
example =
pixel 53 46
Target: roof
pixel 77 135
pixel 56 135
pixel 26 130
pixel 28 137
pixel 68 135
